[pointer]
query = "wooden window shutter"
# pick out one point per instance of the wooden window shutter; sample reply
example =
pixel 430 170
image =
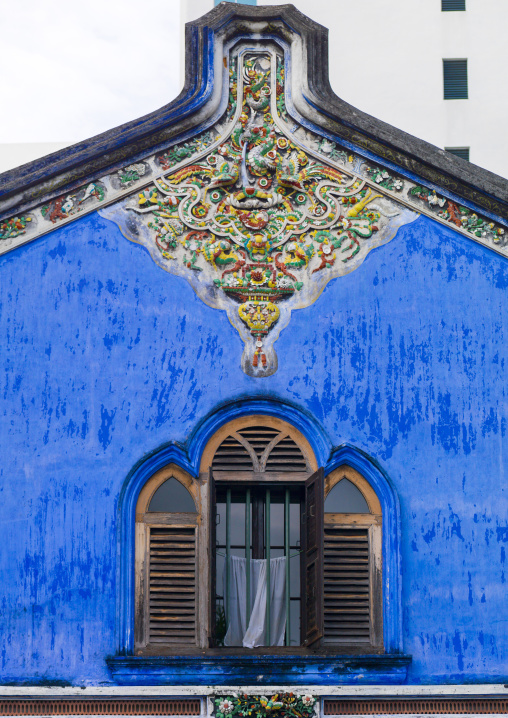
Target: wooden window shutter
pixel 166 562
pixel 172 585
pixel 212 541
pixel 312 559
pixel 347 590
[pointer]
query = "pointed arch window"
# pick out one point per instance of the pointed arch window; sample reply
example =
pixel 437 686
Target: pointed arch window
pixel 264 558
pixel 352 589
pixel 167 540
pixel 260 550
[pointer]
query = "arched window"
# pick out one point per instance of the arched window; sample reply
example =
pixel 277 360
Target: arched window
pixel 167 540
pixel 259 551
pixel 352 600
pixel 262 478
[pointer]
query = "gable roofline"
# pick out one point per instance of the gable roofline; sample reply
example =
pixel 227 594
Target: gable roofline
pixel 42 180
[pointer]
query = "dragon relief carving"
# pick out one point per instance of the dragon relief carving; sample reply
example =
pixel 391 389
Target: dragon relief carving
pixel 260 221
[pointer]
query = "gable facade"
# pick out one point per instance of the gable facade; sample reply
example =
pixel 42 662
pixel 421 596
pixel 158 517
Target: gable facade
pixel 263 297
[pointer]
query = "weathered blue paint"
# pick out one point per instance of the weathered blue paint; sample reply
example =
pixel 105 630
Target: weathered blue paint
pixel 107 358
pixel 259 670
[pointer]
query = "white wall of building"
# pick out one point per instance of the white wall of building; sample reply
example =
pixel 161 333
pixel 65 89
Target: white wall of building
pixel 386 59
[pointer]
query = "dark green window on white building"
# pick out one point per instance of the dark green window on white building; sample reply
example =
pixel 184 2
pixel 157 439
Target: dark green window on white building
pixel 462 152
pixel 239 2
pixel 453 5
pixel 455 79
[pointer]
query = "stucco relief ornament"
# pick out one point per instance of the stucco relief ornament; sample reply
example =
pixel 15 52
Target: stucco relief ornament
pixel 260 220
pixel 279 705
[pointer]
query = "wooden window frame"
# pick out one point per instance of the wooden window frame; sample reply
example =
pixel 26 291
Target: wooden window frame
pixel 232 428
pixel 145 520
pixel 373 522
pixel 199 488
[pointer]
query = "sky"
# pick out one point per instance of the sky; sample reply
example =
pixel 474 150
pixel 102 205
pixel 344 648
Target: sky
pixel 74 69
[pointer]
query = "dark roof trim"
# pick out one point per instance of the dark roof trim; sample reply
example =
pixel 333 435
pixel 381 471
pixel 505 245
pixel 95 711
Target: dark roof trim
pixel 46 178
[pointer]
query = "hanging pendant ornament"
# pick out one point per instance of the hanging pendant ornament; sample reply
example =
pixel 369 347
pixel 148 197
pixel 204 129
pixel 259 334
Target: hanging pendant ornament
pixel 259 355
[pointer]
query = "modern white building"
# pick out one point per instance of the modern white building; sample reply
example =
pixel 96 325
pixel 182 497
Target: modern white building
pixel 387 58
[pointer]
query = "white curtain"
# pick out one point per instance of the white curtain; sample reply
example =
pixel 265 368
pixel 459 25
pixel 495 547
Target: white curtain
pixel 254 634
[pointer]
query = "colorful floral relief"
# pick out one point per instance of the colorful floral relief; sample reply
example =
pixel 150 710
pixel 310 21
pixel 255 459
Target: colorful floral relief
pixel 13 227
pixel 283 705
pixel 132 173
pixel 260 216
pixel 460 216
pixel 67 205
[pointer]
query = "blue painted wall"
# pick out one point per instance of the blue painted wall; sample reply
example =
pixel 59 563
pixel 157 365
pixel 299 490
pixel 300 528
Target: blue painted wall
pixel 107 357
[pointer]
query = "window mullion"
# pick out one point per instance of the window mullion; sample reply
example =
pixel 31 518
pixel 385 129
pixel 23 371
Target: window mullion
pixel 268 582
pixel 287 551
pixel 228 553
pixel 257 526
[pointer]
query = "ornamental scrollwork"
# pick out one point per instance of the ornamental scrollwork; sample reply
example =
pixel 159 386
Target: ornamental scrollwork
pixel 261 220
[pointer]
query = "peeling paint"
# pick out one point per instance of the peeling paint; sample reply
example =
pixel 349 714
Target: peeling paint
pixel 108 357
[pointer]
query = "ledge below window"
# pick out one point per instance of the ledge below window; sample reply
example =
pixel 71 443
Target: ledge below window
pixel 235 670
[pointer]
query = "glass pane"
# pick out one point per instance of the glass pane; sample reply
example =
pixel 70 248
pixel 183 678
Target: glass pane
pixel 295 623
pixel 237 525
pixel 236 520
pixel 277 526
pixel 346 498
pixel 172 496
pixel 294 522
pixel 238 590
pixel 295 575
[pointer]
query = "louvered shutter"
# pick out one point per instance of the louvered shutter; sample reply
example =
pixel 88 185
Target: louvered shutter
pixel 455 79
pixel 172 585
pixel 312 559
pixel 453 5
pixel 212 542
pixel 259 437
pixel 347 590
pixel 232 456
pixel 462 152
pixel 259 449
pixel 286 456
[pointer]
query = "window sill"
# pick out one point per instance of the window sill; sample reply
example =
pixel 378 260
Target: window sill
pixel 234 669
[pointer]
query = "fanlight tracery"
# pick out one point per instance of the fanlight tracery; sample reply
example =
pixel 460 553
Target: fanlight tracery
pixel 260 449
